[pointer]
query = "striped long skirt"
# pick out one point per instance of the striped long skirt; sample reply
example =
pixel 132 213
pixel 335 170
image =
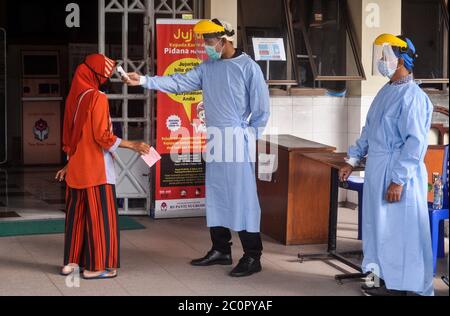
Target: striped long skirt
pixel 92 239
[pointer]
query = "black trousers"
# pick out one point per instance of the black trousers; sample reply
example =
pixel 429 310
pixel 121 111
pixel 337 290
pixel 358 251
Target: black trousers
pixel 251 242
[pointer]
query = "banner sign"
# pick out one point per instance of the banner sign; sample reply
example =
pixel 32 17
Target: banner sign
pixel 180 127
pixel 41 132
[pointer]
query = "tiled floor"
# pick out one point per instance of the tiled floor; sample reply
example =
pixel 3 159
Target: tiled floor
pixel 32 193
pixel 155 260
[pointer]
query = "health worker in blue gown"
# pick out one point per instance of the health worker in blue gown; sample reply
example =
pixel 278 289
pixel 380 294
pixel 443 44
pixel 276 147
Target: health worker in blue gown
pixel 396 230
pixel 236 101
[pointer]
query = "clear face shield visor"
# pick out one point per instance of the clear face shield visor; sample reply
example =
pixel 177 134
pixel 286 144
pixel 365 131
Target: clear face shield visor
pixel 385 61
pixel 208 47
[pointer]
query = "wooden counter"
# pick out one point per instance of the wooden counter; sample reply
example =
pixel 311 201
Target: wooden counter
pixel 285 200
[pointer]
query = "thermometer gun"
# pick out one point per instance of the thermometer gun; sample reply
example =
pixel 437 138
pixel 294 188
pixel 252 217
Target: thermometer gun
pixel 122 73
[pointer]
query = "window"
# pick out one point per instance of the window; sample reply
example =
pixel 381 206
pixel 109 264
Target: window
pixel 319 40
pixel 266 19
pixel 325 44
pixel 430 37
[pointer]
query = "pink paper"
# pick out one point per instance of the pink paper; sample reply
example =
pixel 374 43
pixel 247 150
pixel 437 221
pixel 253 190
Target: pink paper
pixel 152 158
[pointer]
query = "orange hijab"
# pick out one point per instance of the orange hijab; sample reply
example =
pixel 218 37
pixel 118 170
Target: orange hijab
pixel 90 75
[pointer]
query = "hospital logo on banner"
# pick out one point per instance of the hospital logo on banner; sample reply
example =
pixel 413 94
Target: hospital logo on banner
pixel 173 123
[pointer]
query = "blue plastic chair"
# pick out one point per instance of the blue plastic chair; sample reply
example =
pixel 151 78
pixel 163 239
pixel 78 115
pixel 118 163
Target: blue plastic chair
pixel 357 184
pixel 437 217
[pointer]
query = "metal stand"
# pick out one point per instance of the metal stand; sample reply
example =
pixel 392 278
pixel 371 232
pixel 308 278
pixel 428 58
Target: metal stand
pixel 332 237
pixel 445 279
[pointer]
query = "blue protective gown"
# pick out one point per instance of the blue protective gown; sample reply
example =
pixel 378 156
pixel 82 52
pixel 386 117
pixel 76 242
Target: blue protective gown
pixel 235 96
pixel 396 237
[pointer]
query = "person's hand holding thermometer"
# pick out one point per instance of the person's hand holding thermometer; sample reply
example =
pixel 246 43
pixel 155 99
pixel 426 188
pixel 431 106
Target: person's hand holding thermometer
pixel 131 79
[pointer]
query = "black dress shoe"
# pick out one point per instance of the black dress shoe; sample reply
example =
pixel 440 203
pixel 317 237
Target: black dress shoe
pixel 213 257
pixel 246 267
pixel 383 291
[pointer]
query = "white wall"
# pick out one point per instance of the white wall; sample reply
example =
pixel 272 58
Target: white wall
pixel 328 120
pixel 358 107
pixel 320 119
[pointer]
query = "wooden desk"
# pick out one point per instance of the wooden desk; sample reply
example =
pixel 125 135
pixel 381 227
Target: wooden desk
pixel 287 215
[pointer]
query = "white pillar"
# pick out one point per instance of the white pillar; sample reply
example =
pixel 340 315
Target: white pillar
pixel 223 10
pixel 372 18
pixel 101 26
pixel 389 21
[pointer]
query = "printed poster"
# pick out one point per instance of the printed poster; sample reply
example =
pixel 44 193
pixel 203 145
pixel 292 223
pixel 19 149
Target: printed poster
pixel 181 129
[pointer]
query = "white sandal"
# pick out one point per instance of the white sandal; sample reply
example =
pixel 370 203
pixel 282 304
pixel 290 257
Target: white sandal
pixel 65 270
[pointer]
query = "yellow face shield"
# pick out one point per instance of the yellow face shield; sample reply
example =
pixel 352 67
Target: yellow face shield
pixel 385 60
pixel 208 27
pixel 209 38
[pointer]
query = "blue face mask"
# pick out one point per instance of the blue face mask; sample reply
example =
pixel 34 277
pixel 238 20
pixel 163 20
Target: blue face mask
pixel 212 53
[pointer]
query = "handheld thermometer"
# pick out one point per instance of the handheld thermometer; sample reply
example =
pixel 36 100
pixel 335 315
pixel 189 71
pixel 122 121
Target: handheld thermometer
pixel 122 73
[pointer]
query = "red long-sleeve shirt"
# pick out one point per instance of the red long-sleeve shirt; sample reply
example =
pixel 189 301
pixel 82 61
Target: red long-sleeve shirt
pixel 92 163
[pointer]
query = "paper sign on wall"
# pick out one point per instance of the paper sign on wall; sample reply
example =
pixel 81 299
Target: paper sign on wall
pixel 269 49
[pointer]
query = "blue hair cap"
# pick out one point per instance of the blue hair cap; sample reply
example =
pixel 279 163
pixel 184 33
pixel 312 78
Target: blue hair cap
pixel 409 56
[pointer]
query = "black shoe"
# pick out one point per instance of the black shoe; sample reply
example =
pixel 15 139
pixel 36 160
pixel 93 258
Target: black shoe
pixel 246 267
pixel 212 258
pixel 383 291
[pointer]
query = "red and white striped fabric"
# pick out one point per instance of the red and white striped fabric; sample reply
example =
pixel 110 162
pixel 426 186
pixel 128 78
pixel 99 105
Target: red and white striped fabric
pixel 109 67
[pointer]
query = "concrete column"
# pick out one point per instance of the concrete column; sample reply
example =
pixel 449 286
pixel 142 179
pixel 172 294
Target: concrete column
pixel 223 10
pixel 372 18
pixel 390 21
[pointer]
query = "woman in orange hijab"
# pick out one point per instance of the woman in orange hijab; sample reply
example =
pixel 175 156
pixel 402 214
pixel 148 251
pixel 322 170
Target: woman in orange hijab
pixel 92 232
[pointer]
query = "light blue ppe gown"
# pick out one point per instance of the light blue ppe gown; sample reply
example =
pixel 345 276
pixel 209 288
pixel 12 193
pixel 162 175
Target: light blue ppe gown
pixel 236 98
pixel 396 237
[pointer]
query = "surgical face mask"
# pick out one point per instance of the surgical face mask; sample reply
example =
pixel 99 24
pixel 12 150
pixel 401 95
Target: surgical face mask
pixel 212 53
pixel 386 69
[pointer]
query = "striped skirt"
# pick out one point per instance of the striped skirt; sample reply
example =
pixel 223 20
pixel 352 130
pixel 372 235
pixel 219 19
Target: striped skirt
pixel 92 237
